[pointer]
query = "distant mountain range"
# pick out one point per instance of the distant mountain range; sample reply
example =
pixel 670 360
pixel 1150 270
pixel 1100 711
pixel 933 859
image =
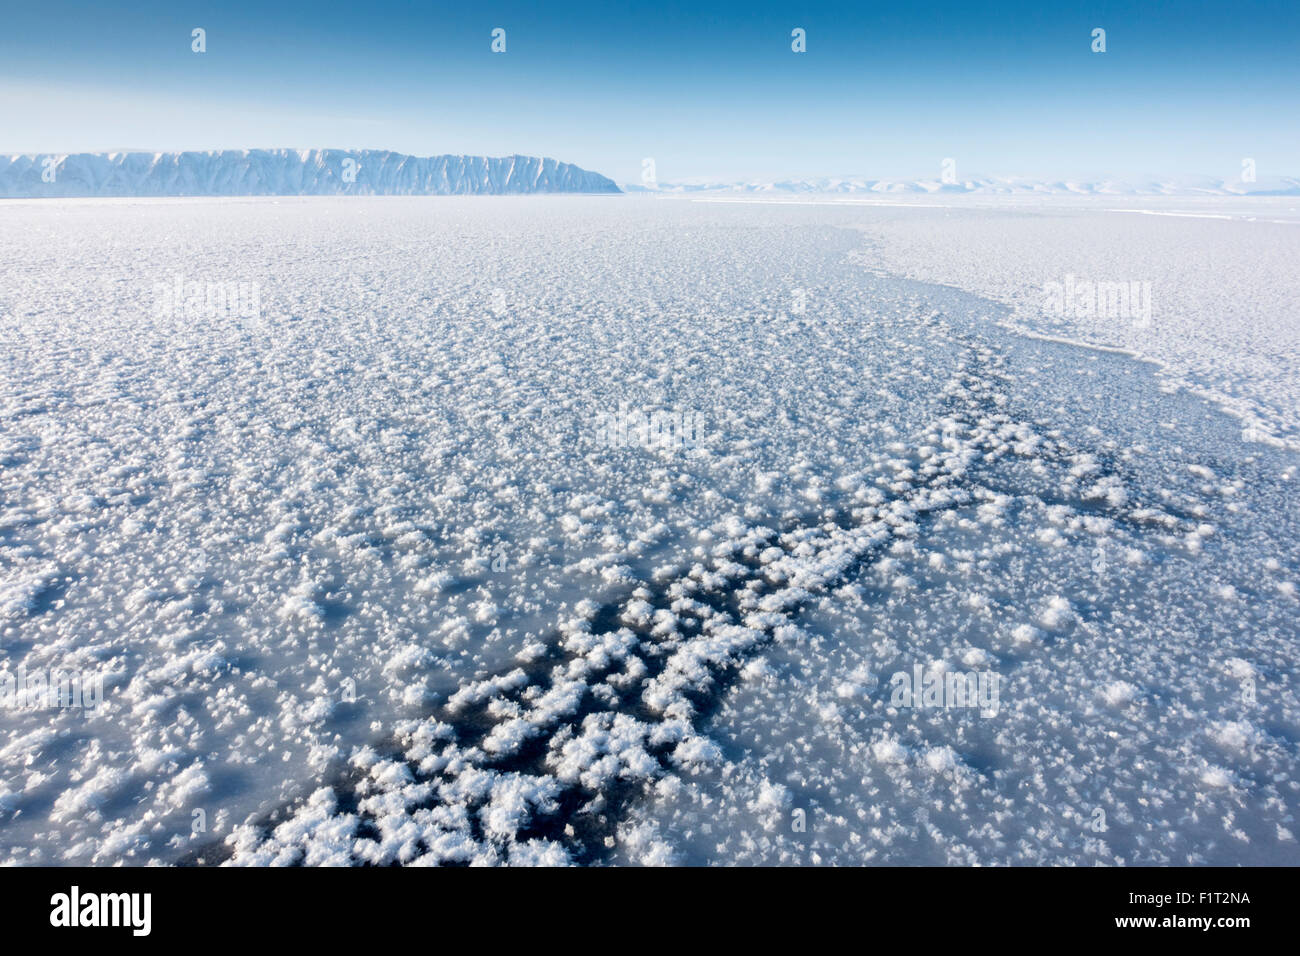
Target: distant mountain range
pixel 368 172
pixel 286 172
pixel 1187 186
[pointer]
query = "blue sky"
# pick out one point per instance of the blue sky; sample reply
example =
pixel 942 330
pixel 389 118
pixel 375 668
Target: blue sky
pixel 711 91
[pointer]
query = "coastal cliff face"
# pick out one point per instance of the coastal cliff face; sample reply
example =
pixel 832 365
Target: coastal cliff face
pixel 285 172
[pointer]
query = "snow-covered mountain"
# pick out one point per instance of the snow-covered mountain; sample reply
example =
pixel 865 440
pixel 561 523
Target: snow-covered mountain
pixel 287 172
pixel 1185 186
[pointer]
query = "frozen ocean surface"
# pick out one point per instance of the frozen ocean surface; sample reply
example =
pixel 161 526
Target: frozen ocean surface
pixel 373 576
pixel 1223 278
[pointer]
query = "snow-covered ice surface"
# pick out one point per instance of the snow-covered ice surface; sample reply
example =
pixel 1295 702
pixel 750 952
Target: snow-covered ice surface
pixel 369 583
